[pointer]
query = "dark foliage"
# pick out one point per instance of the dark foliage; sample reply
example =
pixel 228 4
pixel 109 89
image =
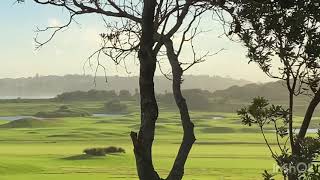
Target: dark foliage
pixel 103 151
pixel 283 38
pixel 267 176
pixel 264 115
pixel 92 95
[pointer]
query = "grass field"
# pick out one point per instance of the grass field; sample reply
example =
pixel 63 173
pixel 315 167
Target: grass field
pixel 52 149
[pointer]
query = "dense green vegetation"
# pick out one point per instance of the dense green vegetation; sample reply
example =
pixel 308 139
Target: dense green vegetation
pixel 54 149
pixel 228 100
pixel 92 95
pixel 63 111
pixel 103 151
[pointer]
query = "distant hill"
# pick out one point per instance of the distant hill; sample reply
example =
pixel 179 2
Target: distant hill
pixel 274 91
pixel 49 86
pixel 235 97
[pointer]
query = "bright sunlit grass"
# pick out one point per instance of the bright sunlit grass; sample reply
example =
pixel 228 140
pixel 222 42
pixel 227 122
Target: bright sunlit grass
pixel 225 149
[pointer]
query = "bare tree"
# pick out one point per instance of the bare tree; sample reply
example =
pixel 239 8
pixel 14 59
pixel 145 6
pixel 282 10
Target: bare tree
pixel 146 28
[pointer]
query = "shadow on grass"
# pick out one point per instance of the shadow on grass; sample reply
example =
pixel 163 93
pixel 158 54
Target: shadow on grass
pixel 88 157
pixel 211 130
pixel 83 157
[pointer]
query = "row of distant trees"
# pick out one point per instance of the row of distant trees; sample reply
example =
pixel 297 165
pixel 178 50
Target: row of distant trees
pixel 199 98
pixel 96 95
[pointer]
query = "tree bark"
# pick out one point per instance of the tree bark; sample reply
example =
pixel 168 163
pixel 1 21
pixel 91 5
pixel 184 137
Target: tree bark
pixel 149 109
pixel 291 122
pixel 307 117
pixel 177 170
pixel 291 176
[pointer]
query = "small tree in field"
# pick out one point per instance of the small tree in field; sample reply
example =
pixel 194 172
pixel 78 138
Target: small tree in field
pixel 283 38
pixel 267 116
pixel 146 28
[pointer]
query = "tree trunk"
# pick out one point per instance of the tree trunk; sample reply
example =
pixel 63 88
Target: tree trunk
pixel 149 109
pixel 177 170
pixel 307 117
pixel 291 123
pixel 291 175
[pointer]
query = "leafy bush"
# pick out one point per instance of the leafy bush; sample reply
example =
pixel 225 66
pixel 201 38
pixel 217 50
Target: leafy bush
pixel 113 149
pixel 307 149
pixel 103 151
pixel 95 151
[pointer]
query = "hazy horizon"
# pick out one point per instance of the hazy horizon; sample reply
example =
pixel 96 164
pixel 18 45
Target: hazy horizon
pixel 127 75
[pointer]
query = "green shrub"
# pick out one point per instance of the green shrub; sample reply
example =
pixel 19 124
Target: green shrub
pixel 103 151
pixel 112 149
pixel 95 151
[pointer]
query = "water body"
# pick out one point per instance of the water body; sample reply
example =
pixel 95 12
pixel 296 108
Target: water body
pixel 13 118
pixel 26 97
pixel 217 117
pixel 311 131
pixel 308 131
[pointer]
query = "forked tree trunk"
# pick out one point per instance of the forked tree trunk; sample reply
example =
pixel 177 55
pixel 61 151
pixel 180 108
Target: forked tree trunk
pixel 149 109
pixel 143 141
pixel 177 170
pixel 305 125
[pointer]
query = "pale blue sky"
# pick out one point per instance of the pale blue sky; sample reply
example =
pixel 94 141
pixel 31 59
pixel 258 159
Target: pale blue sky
pixel 67 53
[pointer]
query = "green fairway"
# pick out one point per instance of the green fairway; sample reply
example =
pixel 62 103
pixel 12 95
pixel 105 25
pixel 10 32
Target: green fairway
pixel 52 149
